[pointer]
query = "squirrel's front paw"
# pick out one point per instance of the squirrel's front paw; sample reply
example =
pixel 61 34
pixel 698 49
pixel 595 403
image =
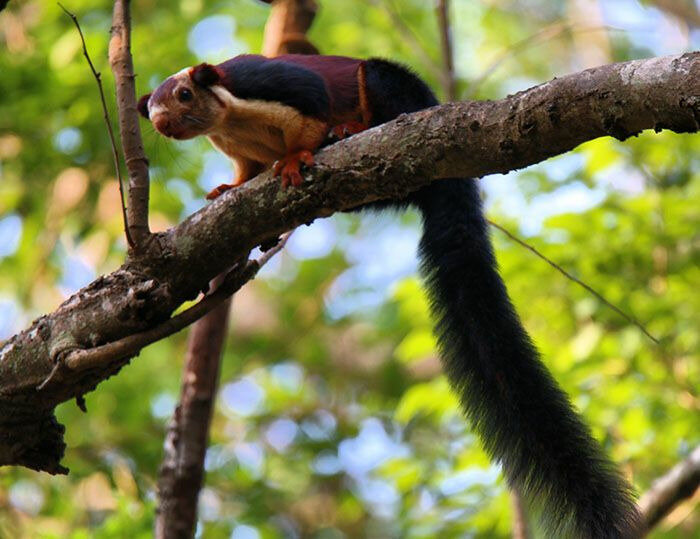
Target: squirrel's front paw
pixel 289 167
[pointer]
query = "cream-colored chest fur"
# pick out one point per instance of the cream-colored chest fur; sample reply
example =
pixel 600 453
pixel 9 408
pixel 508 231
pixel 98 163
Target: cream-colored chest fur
pixel 263 131
pixel 250 140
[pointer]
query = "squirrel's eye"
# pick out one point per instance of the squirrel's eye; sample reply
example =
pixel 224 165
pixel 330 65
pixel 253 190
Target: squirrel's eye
pixel 183 94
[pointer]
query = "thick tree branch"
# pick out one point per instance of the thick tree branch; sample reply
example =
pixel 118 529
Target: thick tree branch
pixel 131 345
pixel 129 129
pixel 680 483
pixel 468 139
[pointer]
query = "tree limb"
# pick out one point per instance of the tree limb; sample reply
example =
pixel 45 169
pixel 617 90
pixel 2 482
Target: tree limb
pixel 449 81
pixel 467 139
pixel 134 156
pixel 679 483
pixel 182 471
pixel 131 345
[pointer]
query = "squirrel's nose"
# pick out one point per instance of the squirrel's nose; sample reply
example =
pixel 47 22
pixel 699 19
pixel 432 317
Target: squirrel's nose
pixel 162 124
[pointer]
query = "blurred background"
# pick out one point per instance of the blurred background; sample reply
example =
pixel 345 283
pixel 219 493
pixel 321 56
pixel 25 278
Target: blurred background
pixel 333 419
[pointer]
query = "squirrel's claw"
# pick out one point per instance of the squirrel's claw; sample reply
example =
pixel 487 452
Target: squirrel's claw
pixel 289 167
pixel 221 189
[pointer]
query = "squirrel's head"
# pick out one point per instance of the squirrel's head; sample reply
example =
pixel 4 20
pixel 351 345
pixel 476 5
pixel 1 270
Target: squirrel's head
pixel 186 104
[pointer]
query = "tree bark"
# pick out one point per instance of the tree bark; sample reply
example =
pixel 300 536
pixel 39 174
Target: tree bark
pixel 182 471
pixel 449 81
pixel 468 139
pixel 121 62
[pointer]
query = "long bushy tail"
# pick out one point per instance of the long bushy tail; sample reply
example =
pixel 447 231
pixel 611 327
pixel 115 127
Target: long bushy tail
pixel 524 419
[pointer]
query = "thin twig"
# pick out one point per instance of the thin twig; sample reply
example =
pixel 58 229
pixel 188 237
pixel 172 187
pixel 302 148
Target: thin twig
pixel 409 36
pixel 539 37
pixel 548 32
pixel 131 345
pixel 449 81
pixel 56 368
pixel 267 255
pixel 108 122
pixel 578 281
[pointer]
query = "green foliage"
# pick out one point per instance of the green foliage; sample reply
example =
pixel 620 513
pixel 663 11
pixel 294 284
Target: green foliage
pixel 333 419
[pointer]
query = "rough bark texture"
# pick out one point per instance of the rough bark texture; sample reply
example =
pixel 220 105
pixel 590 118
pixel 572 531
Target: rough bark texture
pixel 459 139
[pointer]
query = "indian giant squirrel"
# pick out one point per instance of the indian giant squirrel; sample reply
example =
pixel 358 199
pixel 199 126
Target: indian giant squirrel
pixel 264 112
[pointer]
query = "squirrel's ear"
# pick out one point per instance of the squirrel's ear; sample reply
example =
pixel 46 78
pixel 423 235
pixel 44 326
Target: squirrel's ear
pixel 142 105
pixel 205 75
